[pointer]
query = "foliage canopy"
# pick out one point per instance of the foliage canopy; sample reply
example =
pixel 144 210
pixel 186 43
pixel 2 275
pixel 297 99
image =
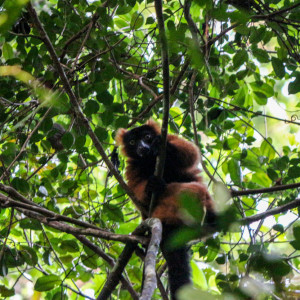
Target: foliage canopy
pixel 95 66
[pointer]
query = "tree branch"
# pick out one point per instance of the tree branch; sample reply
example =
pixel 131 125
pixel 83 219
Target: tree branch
pixel 272 189
pixel 115 275
pixel 150 259
pixel 110 261
pixel 160 162
pixel 50 219
pixel 271 212
pixel 277 12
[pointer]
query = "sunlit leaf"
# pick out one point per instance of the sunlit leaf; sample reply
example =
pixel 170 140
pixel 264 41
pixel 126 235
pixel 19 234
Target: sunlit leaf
pixel 47 283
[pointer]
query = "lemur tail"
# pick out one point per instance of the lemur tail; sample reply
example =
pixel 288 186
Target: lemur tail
pixel 178 261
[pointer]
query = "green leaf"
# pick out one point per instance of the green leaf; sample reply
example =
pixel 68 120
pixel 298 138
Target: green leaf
pixel 80 142
pixel 240 58
pixel 296 232
pixel 231 143
pixel 91 107
pixel 120 23
pixel 266 149
pixel 243 257
pixel 150 20
pixel 90 261
pixel 69 246
pixel 294 172
pixel 198 276
pixel 11 259
pixel 101 133
pixel 29 255
pixel 21 185
pixel 260 98
pixel 123 9
pixel 228 124
pixel 257 34
pixel 192 207
pixel 6 292
pixel 47 283
pixel 261 55
pixel 7 51
pixel 182 236
pixel 113 212
pixel 67 259
pixel 47 257
pixel 294 86
pixel 67 140
pixel 221 259
pixel 295 244
pixel 213 249
pixel 278 67
pixel 272 174
pixel 32 224
pixel 235 171
pixel 279 228
pixel 105 98
pixel 261 179
pixel 280 269
pixel 137 20
pixel 282 163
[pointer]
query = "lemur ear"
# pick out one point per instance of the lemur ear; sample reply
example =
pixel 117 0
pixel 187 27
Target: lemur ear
pixel 120 136
pixel 154 125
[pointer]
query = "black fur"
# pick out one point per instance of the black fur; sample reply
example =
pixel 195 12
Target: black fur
pixel 146 164
pixel 178 260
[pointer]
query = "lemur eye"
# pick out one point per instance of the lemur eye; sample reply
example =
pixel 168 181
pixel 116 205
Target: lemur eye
pixel 147 137
pixel 132 142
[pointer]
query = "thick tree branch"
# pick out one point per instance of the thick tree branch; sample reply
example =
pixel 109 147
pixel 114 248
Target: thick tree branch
pixel 115 275
pixel 50 219
pixel 30 205
pixel 15 194
pixel 150 259
pixel 110 261
pixel 159 167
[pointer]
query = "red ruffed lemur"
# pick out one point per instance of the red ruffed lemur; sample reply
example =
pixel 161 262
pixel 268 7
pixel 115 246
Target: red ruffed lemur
pixel 141 145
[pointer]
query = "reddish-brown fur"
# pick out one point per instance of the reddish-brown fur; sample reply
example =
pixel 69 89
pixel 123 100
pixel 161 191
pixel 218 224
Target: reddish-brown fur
pixel 167 209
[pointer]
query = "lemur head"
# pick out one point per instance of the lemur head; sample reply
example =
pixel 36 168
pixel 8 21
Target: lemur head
pixel 136 143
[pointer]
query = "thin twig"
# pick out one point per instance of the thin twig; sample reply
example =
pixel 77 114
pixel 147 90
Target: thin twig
pixel 271 212
pixel 26 142
pixel 272 189
pixel 192 113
